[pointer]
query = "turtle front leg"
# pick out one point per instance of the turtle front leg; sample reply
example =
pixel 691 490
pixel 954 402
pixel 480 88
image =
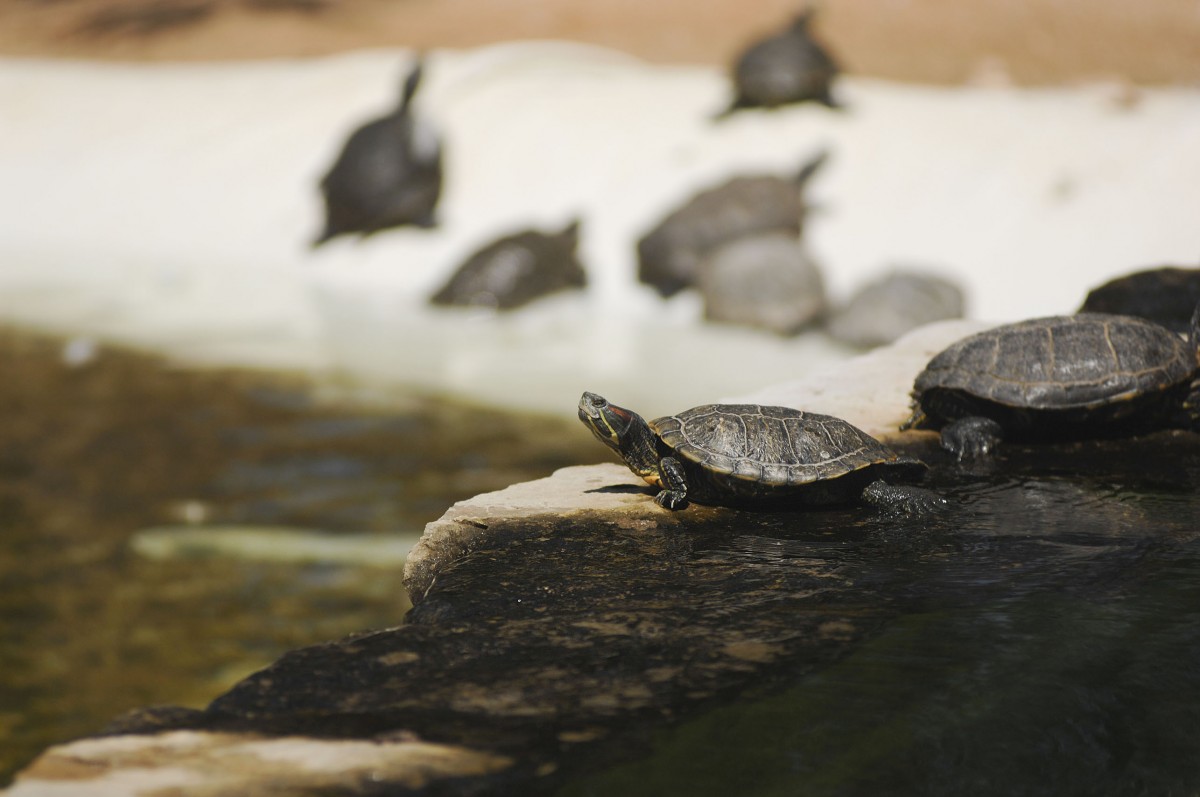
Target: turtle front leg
pixel 903 500
pixel 1191 404
pixel 971 437
pixel 673 494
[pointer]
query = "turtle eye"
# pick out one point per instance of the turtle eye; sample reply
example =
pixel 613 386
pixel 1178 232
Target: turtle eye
pixel 598 402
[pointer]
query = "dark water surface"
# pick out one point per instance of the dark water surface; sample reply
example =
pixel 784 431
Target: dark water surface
pixel 1044 639
pixel 1040 637
pixel 90 455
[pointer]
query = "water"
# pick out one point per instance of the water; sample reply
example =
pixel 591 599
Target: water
pixel 92 454
pixel 1044 640
pixel 1042 637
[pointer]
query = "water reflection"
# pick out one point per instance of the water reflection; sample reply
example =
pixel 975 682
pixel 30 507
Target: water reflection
pixel 1046 640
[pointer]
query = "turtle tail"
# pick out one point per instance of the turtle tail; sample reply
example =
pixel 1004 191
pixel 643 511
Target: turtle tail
pixel 1194 334
pixel 812 166
pixel 411 82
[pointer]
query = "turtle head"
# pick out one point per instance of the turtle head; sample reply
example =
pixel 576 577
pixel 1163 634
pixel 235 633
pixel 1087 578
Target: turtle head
pixel 622 430
pixel 610 423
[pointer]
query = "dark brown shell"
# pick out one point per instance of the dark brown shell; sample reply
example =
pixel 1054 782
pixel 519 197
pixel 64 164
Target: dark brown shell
pixel 1166 296
pixel 774 446
pixel 1063 362
pixel 515 270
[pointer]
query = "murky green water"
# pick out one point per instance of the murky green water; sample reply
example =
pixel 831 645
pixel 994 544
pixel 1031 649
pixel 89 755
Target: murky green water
pixel 90 629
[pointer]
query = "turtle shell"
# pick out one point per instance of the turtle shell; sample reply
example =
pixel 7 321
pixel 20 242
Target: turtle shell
pixel 771 446
pixel 1063 362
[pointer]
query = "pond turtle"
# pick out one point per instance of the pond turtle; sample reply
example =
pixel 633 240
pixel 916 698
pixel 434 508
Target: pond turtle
pixel 784 68
pixel 1165 295
pixel 388 174
pixel 516 269
pixel 669 255
pixel 751 454
pixel 1062 377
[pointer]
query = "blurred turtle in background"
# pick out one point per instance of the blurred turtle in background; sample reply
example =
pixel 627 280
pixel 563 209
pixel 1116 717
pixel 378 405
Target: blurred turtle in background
pixel 669 255
pixel 900 301
pixel 783 68
pixel 1164 295
pixel 389 173
pixel 515 270
pixel 765 280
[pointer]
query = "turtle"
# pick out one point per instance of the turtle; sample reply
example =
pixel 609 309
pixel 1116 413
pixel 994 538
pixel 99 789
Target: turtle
pixel 784 68
pixel 747 454
pixel 388 174
pixel 1061 377
pixel 765 280
pixel 516 269
pixel 1165 295
pixel 669 255
pixel 898 302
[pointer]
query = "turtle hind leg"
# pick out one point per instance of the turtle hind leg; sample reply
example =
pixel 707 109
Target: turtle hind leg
pixel 902 500
pixel 973 436
pixel 674 484
pixel 1191 405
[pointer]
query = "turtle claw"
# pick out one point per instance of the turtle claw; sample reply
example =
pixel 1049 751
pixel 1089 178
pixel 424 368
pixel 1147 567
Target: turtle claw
pixel 671 499
pixel 903 500
pixel 969 438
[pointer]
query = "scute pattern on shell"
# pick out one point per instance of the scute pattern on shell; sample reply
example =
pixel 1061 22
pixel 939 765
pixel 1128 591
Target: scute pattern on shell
pixel 1062 362
pixel 771 445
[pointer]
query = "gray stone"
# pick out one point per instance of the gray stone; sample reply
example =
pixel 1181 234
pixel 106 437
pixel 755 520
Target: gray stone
pixel 897 303
pixel 768 281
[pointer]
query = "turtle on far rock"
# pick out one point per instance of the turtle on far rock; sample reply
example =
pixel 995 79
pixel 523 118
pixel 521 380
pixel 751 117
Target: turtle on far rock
pixel 766 280
pixel 899 302
pixel 782 69
pixel 746 454
pixel 516 269
pixel 1063 377
pixel 388 174
pixel 1164 295
pixel 669 255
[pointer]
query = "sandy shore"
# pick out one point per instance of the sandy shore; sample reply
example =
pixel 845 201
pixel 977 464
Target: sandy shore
pixel 938 41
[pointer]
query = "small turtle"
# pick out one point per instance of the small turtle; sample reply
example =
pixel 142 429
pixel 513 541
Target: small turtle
pixel 515 270
pixel 746 453
pixel 389 174
pixel 1164 295
pixel 1063 377
pixel 784 68
pixel 899 302
pixel 766 280
pixel 670 254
